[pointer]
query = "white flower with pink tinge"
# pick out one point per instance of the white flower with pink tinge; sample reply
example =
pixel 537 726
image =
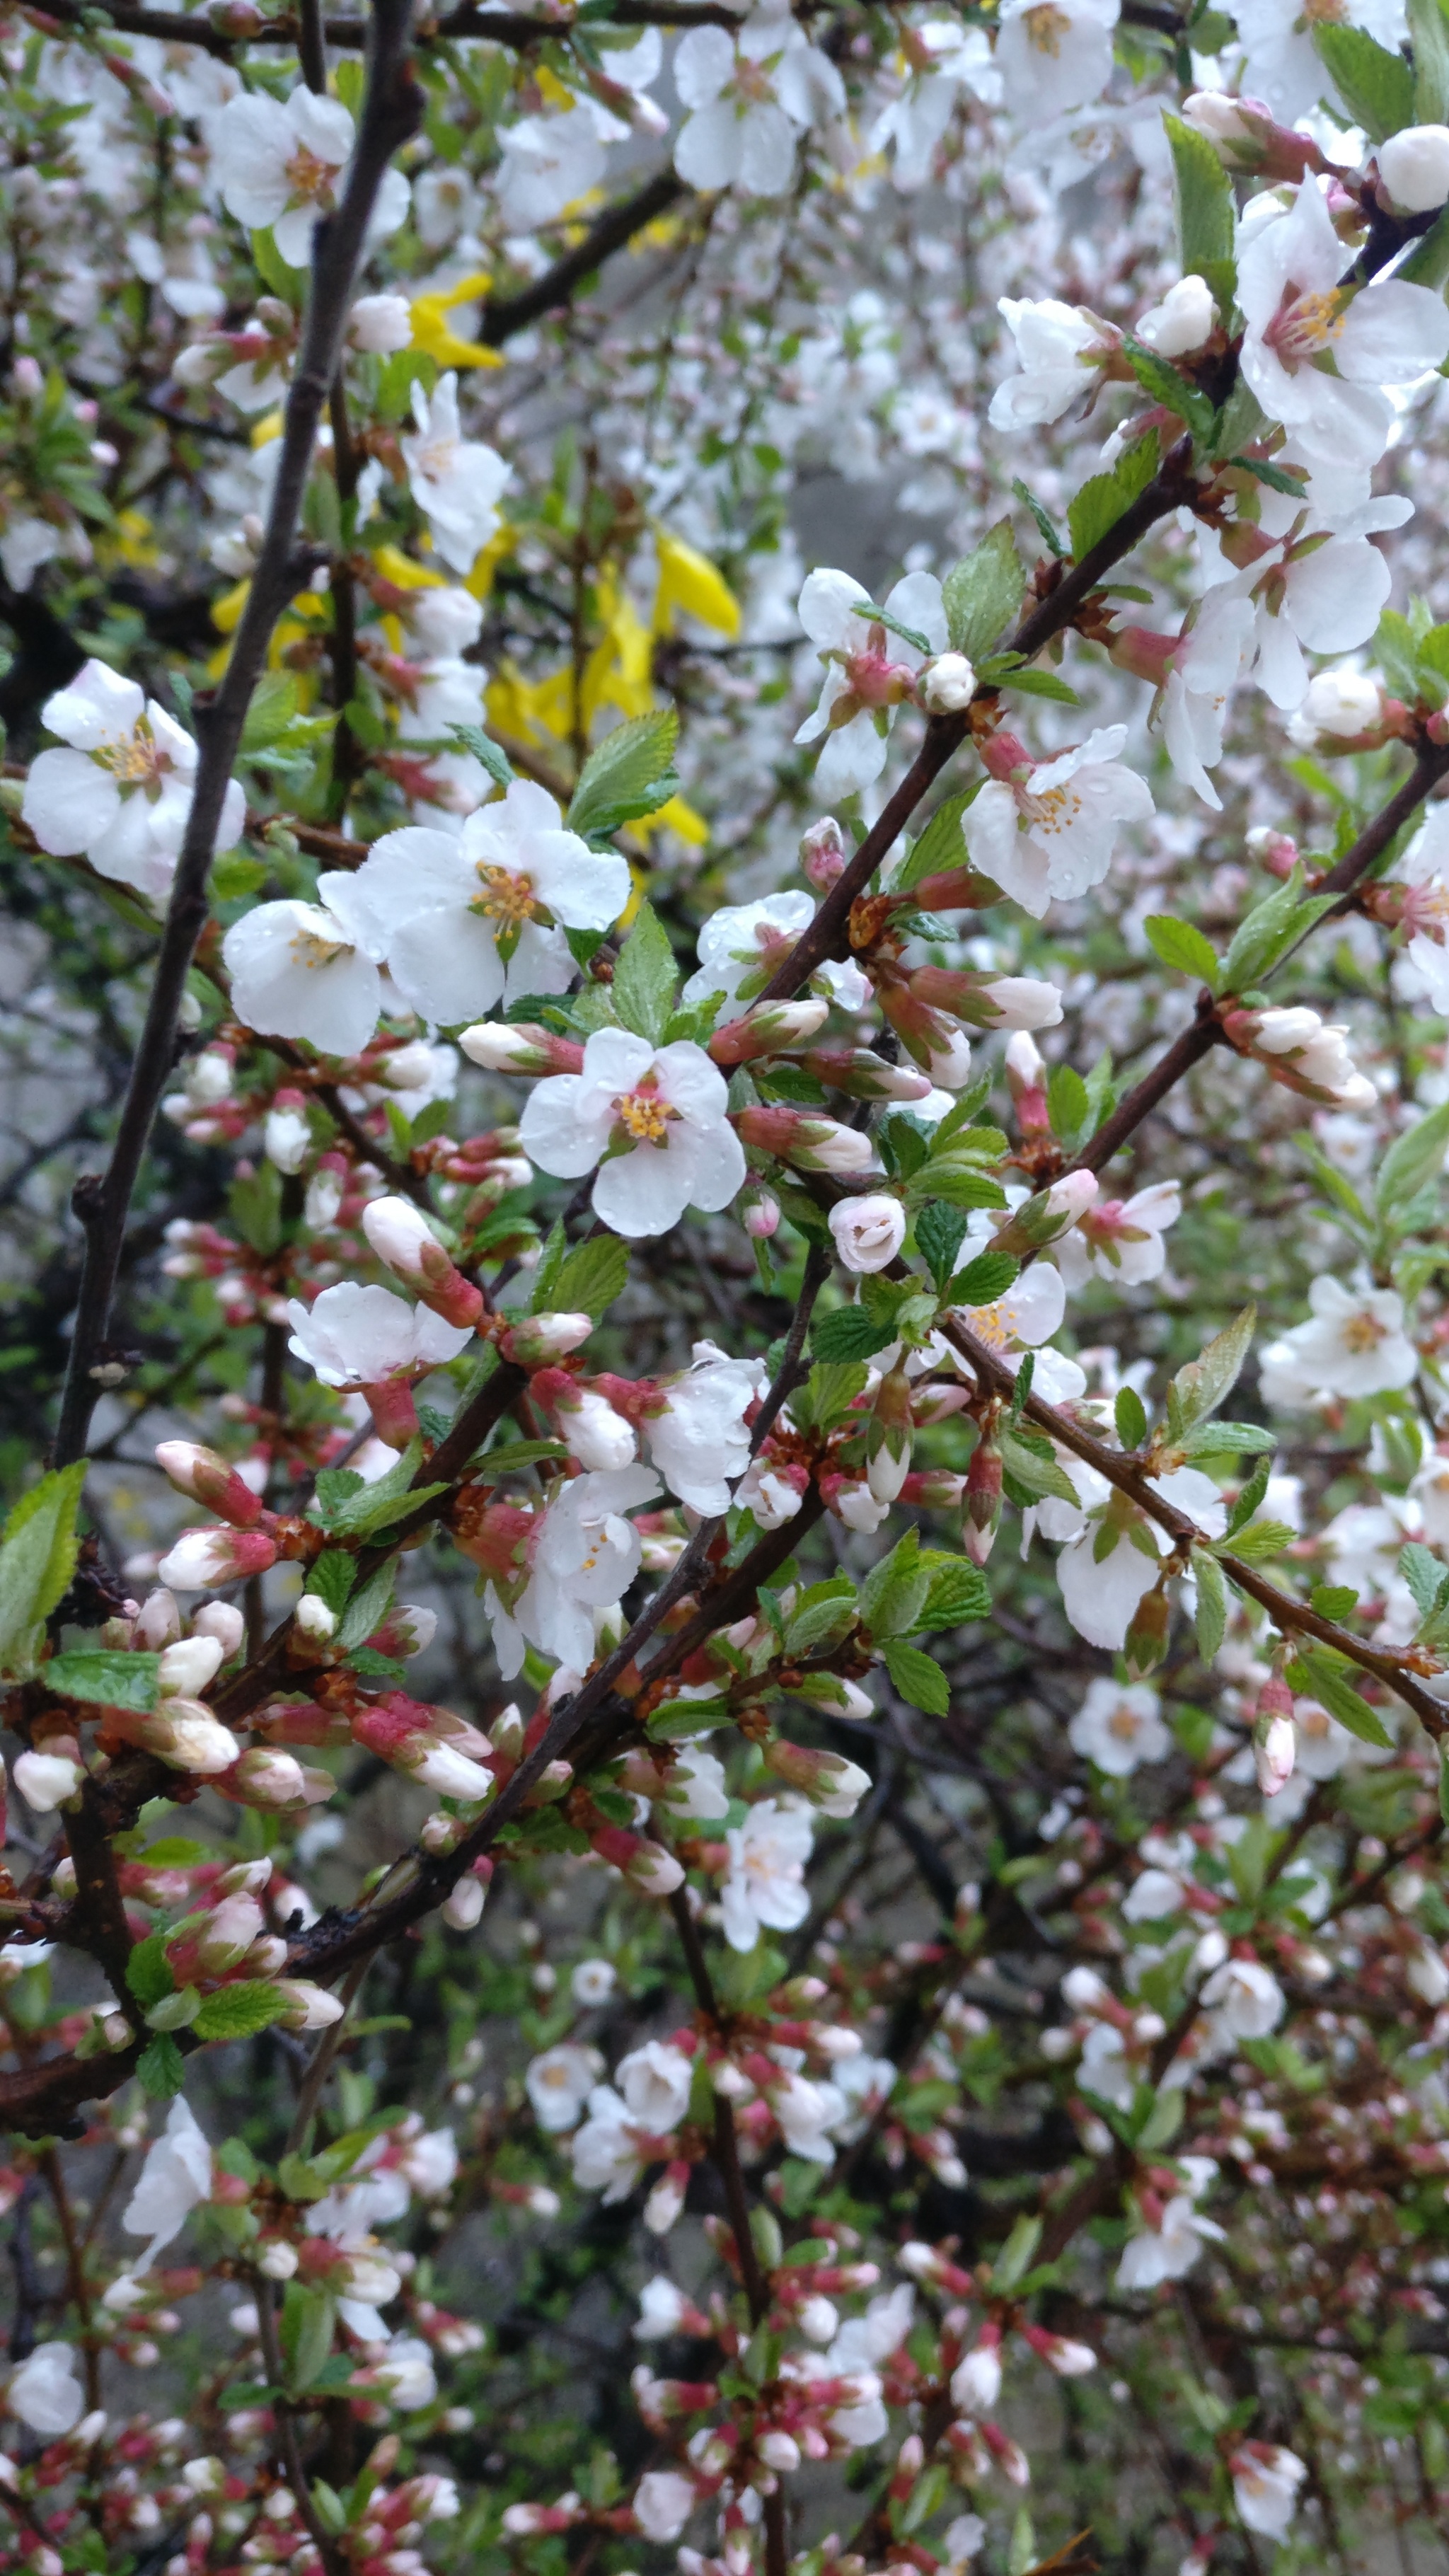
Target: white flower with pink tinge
pixel 476 917
pixel 1171 2242
pixel 279 165
pixel 585 1555
pixel 1266 2480
pixel 1353 1344
pixel 1120 1239
pixel 940 60
pixel 1386 333
pixel 356 1336
pixel 1423 872
pixel 1047 829
pixel 748 93
pixel 309 970
pixel 869 669
pixel 120 793
pixel 1117 1728
pixel 698 1440
pixel 1054 55
pixel 455 481
pixel 653 1117
pixel 174 2179
pixel 764 1885
pixel 1104 1573
pixel 1060 351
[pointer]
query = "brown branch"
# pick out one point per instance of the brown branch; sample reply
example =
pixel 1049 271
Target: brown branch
pixel 609 232
pixel 390 114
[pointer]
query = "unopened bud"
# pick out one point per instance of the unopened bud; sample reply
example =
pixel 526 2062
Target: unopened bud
pixel 204 1559
pixel 823 854
pixel 811 1144
pixel 400 1235
pixel 223 1621
pixel 536 1341
pixel 207 1479
pixel 524 1048
pixel 769 1029
pixel 828 1780
pixel 1147 1634
pixel 1414 168
pixel 188 1666
pixel 947 685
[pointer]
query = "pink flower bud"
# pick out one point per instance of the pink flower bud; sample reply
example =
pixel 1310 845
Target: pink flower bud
pixel 309 2007
pixel 223 1621
pixel 862 1075
pixel 182 1733
pixel 464 1905
pixel 762 1217
pixel 400 1235
pixel 523 1048
pixel 207 1479
pixel 157 1624
pixel 536 1341
pixel 646 1865
pixel 769 1029
pixel 828 1780
pixel 811 1144
pixel 204 1559
pixel 868 1231
pixel 823 854
pixel 266 1777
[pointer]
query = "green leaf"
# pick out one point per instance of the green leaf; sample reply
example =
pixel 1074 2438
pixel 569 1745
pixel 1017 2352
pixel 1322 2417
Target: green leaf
pixel 113 1680
pixel 508 1456
pixel 1270 929
pixel 148 1971
pixel 1212 1603
pixel 959 1593
pixel 274 703
pixel 895 1591
pixel 358 1509
pixel 940 1233
pixel 982 594
pixel 1030 1462
pixel 1206 213
pixel 161 2067
pixel 37 1560
pixel 1100 503
pixel 236 2012
pixel 1051 536
pixel 984 1279
pixel 591 1277
pixel 1068 1104
pixel 485 750
pixel 1249 1499
pixel 1158 377
pixel 367 1608
pixel 1413 1159
pixel 1429 38
pixel 305 2333
pixel 822 1617
pixel 1376 87
pixel 645 977
pixel 1200 1387
pixel 1229 1440
pixel 1320 1674
pixel 1181 946
pixel 849 1334
pixel 332 1578
pixel 630 774
pixel 828 1394
pixel 873 616
pixel 1130 1415
pixel 1015 2257
pixel 277 273
pixel 1033 683
pixel 1333 1600
pixel 1275 476
pixel 917 1677
pixel 1257 1541
pixel 941 845
pixel 1424 1575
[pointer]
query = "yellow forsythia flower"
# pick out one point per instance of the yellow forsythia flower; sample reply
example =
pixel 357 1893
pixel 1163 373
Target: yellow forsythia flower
pixel 689 581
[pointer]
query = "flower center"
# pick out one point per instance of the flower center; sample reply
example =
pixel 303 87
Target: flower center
pixel 1122 1723
pixel 310 180
pixel 1363 1332
pixel 504 897
pixel 1323 13
pixel 752 83
pixel 644 1115
pixel 1045 27
pixel 310 948
pixel 1305 325
pixel 133 759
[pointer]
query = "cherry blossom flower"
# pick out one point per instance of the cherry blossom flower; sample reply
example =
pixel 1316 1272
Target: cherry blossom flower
pixel 357 1336
pixel 1424 871
pixel 550 161
pixel 764 1885
pixel 663 2503
pixel 868 1231
pixel 309 970
pixel 1386 333
pixel 278 164
pixel 1167 2249
pixel 1212 656
pixel 1414 167
pixel 741 945
pixel 1054 55
pixel 1266 2480
pixel 584 1556
pixel 869 669
pixel 45 2393
pixel 1047 829
pixel 1182 321
pixel 1060 350
pixel 655 1117
pixel 1245 1999
pixel 175 2177
pixel 1120 1239
pixel 1118 1727
pixel 940 60
pixel 1104 1573
pixel 697 1438
pixel 1283 66
pixel 120 793
pixel 559 2082
pixel 1353 1344
pixel 477 917
pixel 746 97
pixel 454 480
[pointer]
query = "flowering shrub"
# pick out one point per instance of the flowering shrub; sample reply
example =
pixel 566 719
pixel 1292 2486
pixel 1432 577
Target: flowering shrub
pixel 725 1618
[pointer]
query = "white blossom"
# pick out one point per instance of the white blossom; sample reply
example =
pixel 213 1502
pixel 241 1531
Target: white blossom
pixel 662 1110
pixel 120 793
pixel 1051 834
pixel 455 481
pixel 869 669
pixel 764 1885
pixel 1117 1727
pixel 747 96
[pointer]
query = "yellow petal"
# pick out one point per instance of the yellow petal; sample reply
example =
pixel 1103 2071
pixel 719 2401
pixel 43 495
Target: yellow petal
pixel 498 548
pixel 266 429
pixel 226 611
pixel 689 581
pixel 403 573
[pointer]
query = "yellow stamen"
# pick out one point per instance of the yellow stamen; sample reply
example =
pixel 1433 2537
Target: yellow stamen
pixel 645 1116
pixel 1045 27
pixel 505 897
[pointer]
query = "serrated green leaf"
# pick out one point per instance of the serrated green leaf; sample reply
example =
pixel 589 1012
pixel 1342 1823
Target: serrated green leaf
pixel 1068 1104
pixel 508 1456
pixel 645 978
pixel 1158 377
pixel 367 1608
pixel 628 775
pixel 1228 1440
pixel 1206 212
pixel 849 1334
pixel 277 273
pixel 984 1280
pixel 305 2332
pixel 1051 536
pixel 1130 1415
pixel 1200 1387
pixel 918 1677
pixel 940 1233
pixel 941 845
pixel 1270 930
pixel 1016 2254
pixel 591 1277
pixel 1318 1673
pixel 895 1591
pixel 486 751
pixel 235 2012
pixel 161 2067
pixel 332 1577
pixel 1181 946
pixel 37 1560
pixel 148 1971
pixel 982 595
pixel 1376 87
pixel 1097 507
pixel 1424 1574
pixel 958 1595
pixel 1413 1160
pixel 1257 1541
pixel 109 1678
pixel 1333 1600
pixel 1034 683
pixel 1212 1603
pixel 1031 1464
